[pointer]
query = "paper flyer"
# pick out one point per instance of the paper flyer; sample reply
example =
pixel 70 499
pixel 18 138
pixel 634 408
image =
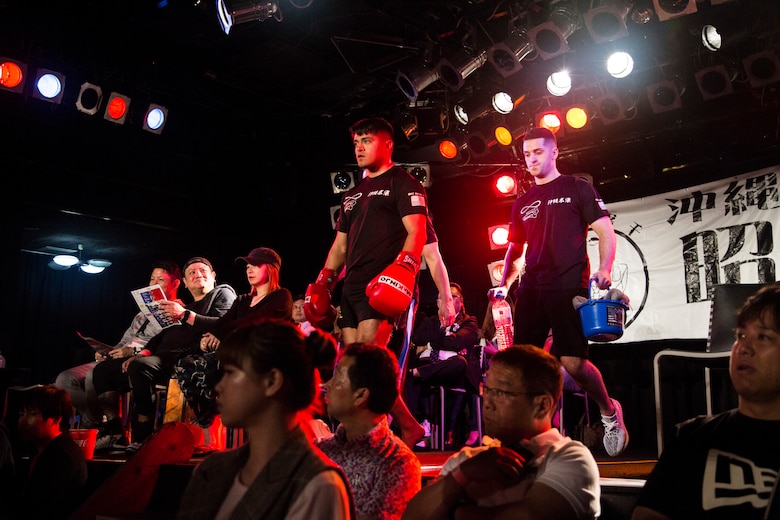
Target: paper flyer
pixel 148 300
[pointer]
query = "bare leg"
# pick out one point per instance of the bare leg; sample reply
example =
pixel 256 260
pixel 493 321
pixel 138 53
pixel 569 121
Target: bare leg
pixel 411 431
pixel 589 378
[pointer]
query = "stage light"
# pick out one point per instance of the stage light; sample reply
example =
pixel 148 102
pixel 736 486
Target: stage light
pixel 559 83
pixel 417 80
pixel 507 55
pixel 606 23
pixel 496 272
pixel 454 71
pixel 669 9
pixel 505 184
pixel 89 98
pixel 470 110
pixel 503 135
pixel 477 144
pixel 49 85
pixel 91 269
pixel 713 82
pixel 155 118
pixel 610 109
pixel 420 171
pixel 620 64
pixel 407 121
pixel 550 120
pixel 12 74
pixel 502 102
pixel 233 12
pixel 710 38
pixel 577 117
pixel 342 181
pixel 116 108
pixel 762 68
pixel 550 38
pixel 663 96
pixel 498 236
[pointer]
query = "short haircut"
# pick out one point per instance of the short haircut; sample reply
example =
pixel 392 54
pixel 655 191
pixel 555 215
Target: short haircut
pixel 541 370
pixel 375 368
pixel 51 401
pixel 170 267
pixel 372 125
pixel 540 132
pixel 765 300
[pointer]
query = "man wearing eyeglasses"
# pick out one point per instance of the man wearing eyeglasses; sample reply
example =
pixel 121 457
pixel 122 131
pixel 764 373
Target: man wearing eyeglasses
pixel 530 470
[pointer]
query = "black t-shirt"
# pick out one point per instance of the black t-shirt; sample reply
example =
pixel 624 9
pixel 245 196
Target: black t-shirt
pixel 719 468
pixel 371 215
pixel 553 219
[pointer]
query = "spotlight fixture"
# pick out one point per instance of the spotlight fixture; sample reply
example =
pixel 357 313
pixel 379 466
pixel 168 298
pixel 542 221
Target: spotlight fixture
pixel 420 171
pixel 607 22
pixel 470 110
pixel 550 38
pixel 762 68
pixel 234 12
pixel 12 74
pixel 89 98
pixel 407 120
pixel 116 108
pixel 505 185
pixel 498 236
pixel 155 118
pixel 664 96
pixel 496 272
pixel 577 118
pixel 507 55
pixel 49 85
pixel 453 71
pixel 713 82
pixel 620 64
pixel 669 9
pixel 502 102
pixel 416 80
pixel 610 109
pixel 477 144
pixel 551 120
pixel 454 149
pixel 559 83
pixel 342 181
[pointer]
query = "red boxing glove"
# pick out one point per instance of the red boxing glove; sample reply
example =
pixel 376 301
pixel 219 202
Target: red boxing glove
pixel 391 291
pixel 317 303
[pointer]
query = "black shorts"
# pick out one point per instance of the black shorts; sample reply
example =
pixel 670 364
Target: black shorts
pixel 538 311
pixel 355 307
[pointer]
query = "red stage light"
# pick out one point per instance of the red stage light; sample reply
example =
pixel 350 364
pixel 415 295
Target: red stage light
pixel 12 74
pixel 505 184
pixel 117 107
pixel 498 236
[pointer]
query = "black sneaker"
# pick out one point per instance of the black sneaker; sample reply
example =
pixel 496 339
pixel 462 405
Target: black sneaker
pixel 141 432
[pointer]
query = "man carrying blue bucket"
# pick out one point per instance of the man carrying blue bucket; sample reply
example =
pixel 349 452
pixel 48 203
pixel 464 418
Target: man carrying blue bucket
pixel 548 245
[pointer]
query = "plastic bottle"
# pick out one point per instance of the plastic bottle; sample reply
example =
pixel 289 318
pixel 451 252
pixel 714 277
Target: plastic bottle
pixel 502 318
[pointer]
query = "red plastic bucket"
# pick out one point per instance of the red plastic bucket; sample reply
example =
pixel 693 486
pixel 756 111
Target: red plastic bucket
pixel 602 320
pixel 85 439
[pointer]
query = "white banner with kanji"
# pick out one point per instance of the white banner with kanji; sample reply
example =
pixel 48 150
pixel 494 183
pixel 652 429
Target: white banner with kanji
pixel 674 247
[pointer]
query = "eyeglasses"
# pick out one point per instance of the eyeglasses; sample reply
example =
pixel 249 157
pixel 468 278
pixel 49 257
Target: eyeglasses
pixel 501 395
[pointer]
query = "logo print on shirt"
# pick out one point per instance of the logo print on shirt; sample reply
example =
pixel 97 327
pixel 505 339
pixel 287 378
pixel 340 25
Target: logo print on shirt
pixel 730 480
pixel 349 202
pixel 531 211
pixel 382 193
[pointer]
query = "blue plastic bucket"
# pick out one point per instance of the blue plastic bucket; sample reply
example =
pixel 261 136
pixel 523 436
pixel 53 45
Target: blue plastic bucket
pixel 602 320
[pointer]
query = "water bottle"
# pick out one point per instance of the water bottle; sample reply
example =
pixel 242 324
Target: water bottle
pixel 502 319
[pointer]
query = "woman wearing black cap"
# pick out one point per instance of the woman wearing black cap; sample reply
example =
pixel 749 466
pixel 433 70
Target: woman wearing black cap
pixel 198 374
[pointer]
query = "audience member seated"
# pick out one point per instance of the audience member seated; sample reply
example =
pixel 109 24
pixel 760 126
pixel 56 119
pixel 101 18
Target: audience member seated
pixel 154 364
pixel 198 373
pixel 53 484
pixel 530 470
pixel 77 381
pixel 441 358
pixel 269 382
pixel 383 471
pixel 726 466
